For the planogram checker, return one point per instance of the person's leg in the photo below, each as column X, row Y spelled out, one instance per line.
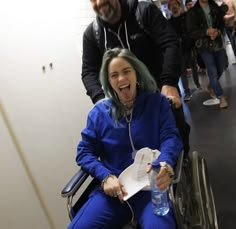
column 193, row 65
column 215, row 64
column 210, row 63
column 233, row 44
column 221, row 61
column 220, row 58
column 229, row 31
column 101, row 211
column 187, row 92
column 200, row 63
column 143, row 211
column 184, row 78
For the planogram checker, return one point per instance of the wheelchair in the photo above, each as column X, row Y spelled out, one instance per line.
column 190, row 193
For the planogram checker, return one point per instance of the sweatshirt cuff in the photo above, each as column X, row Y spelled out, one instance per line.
column 98, row 97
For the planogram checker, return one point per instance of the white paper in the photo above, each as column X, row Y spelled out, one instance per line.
column 134, row 178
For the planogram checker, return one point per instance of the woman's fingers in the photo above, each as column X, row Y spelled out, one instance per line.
column 164, row 178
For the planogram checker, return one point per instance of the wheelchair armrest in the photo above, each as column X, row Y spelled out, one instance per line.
column 74, row 184
column 178, row 169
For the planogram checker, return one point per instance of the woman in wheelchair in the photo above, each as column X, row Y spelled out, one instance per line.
column 133, row 115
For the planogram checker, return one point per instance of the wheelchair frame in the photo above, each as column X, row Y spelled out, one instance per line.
column 190, row 193
column 192, row 196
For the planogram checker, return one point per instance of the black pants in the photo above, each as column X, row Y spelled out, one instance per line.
column 184, row 128
column 229, row 31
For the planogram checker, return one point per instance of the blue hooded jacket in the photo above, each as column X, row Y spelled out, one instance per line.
column 105, row 147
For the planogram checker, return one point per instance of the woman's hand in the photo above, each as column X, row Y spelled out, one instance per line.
column 164, row 176
column 112, row 187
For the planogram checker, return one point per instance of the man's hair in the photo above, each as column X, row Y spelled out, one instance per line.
column 187, row 1
column 170, row 1
column 145, row 81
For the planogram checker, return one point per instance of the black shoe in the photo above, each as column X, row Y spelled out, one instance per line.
column 187, row 97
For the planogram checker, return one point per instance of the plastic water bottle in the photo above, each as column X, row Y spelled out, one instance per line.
column 160, row 200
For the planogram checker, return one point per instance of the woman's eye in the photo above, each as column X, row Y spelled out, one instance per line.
column 113, row 76
column 126, row 71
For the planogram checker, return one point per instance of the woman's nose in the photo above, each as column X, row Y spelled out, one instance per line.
column 120, row 77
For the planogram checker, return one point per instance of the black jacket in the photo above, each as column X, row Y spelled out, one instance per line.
column 155, row 44
column 179, row 25
column 197, row 26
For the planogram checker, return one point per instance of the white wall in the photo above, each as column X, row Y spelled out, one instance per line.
column 42, row 112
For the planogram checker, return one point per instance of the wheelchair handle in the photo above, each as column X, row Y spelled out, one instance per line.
column 74, row 184
column 178, row 169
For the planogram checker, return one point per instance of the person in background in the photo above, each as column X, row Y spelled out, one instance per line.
column 205, row 23
column 234, row 30
column 188, row 4
column 200, row 63
column 234, row 27
column 229, row 23
column 140, row 27
column 134, row 115
column 178, row 22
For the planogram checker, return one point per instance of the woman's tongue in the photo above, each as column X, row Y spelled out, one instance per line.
column 126, row 94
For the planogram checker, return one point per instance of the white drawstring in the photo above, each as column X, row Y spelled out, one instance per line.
column 126, row 35
column 134, row 152
column 132, row 212
column 105, row 36
column 130, row 135
column 118, row 36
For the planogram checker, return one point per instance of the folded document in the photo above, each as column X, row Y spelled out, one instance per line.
column 134, row 178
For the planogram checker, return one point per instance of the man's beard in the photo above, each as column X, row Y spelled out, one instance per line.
column 110, row 14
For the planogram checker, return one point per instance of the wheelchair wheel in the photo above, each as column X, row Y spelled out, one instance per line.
column 181, row 198
column 203, row 195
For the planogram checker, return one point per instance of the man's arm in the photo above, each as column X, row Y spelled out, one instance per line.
column 230, row 13
column 91, row 65
column 166, row 39
column 234, row 7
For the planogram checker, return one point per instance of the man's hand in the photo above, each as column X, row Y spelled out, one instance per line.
column 172, row 93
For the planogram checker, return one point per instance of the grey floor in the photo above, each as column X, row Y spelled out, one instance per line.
column 213, row 133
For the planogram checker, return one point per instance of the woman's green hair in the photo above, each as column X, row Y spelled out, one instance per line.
column 145, row 81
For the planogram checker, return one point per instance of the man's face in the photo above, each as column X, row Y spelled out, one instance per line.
column 189, row 5
column 175, row 8
column 107, row 10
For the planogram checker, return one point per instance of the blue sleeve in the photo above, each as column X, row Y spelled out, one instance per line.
column 90, row 149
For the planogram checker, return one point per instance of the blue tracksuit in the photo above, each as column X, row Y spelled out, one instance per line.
column 153, row 125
